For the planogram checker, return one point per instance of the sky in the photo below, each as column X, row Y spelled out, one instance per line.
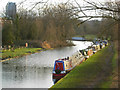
column 28, row 3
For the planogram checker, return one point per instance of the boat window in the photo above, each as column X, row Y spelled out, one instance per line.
column 59, row 65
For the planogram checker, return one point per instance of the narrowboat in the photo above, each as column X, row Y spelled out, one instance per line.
column 65, row 65
column 105, row 42
column 95, row 48
column 84, row 53
column 102, row 45
column 90, row 51
column 87, row 52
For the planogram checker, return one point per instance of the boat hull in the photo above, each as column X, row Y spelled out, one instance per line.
column 58, row 76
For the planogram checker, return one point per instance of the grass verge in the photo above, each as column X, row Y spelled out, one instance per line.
column 112, row 80
column 90, row 73
column 18, row 52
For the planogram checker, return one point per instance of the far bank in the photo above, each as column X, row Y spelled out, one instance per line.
column 10, row 52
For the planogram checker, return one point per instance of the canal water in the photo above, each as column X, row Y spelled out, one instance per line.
column 35, row 70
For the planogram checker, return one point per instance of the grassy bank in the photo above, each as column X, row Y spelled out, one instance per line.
column 112, row 80
column 91, row 73
column 18, row 52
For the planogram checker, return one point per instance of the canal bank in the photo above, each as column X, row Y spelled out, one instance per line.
column 92, row 73
column 8, row 54
column 18, row 52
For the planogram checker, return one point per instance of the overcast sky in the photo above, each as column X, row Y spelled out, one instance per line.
column 28, row 3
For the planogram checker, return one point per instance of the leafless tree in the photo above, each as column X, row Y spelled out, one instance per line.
column 108, row 10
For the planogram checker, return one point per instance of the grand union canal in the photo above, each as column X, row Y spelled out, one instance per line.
column 35, row 70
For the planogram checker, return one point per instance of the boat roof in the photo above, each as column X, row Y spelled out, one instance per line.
column 64, row 59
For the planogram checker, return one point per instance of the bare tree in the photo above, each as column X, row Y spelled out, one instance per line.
column 107, row 10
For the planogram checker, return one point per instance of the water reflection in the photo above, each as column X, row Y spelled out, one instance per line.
column 35, row 70
column 26, row 76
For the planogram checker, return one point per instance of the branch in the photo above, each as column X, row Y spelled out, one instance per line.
column 102, row 8
column 80, row 8
column 83, row 21
column 38, row 3
column 21, row 3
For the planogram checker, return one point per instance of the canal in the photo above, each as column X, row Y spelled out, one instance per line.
column 35, row 70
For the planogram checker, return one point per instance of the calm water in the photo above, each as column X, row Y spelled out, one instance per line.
column 35, row 70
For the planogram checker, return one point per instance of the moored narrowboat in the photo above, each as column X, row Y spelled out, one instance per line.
column 65, row 65
column 95, row 48
column 105, row 42
column 59, row 69
column 88, row 52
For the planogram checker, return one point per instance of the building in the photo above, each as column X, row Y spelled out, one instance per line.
column 11, row 10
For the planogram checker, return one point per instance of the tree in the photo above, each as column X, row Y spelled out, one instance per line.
column 7, row 33
column 108, row 10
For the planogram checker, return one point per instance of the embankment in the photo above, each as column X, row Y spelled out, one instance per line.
column 91, row 73
column 18, row 52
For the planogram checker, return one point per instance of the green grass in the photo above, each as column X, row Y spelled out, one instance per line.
column 108, row 82
column 90, row 37
column 18, row 52
column 114, row 60
column 86, row 73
